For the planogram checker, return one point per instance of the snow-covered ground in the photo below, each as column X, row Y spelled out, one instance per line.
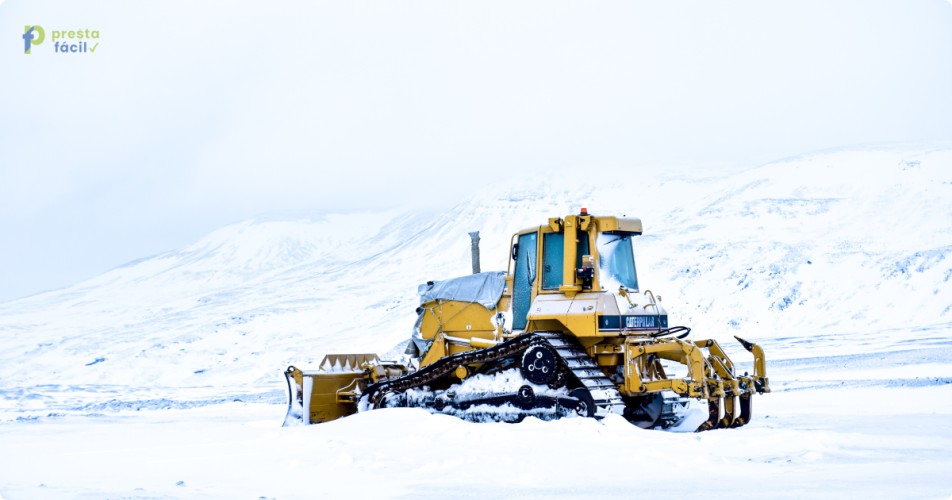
column 168, row 368
column 877, row 441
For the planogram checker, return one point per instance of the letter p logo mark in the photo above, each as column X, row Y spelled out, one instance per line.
column 28, row 38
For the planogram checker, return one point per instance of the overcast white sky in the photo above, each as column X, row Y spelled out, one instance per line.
column 192, row 115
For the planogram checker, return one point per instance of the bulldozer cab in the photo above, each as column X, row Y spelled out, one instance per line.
column 572, row 255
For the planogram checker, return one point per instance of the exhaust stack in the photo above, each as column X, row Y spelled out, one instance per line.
column 475, row 248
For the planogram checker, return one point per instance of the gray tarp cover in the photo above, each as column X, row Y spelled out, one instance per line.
column 483, row 288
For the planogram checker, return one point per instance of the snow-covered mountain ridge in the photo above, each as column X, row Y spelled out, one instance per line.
column 835, row 252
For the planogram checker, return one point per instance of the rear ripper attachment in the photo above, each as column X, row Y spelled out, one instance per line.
column 564, row 332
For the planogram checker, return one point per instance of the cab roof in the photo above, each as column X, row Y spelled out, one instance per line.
column 605, row 224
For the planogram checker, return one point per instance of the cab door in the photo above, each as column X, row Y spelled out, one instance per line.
column 523, row 279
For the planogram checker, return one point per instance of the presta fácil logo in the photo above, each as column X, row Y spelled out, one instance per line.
column 78, row 40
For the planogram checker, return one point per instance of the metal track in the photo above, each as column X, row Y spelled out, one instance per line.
column 586, row 370
column 444, row 366
column 583, row 367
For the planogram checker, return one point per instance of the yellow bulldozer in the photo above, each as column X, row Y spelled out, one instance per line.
column 565, row 331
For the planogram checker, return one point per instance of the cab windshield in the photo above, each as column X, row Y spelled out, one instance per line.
column 617, row 262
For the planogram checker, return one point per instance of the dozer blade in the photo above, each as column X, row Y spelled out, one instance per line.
column 328, row 393
column 295, row 414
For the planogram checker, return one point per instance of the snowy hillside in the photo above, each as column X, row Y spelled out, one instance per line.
column 837, row 252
